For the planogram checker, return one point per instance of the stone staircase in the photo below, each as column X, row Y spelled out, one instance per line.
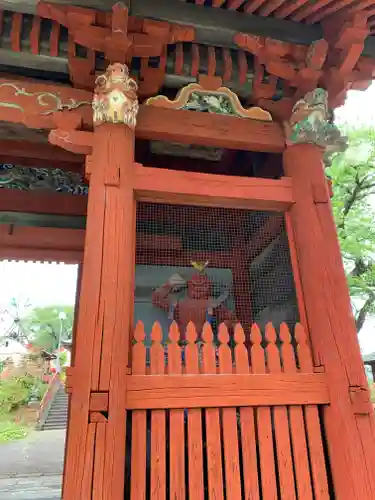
column 57, row 416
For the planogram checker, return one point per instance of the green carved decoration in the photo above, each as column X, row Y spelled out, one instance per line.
column 32, row 179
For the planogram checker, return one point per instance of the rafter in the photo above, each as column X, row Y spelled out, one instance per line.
column 213, row 26
column 331, row 9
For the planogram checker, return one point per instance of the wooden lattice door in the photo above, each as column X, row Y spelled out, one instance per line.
column 218, row 421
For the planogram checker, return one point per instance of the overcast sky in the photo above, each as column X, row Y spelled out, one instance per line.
column 50, row 284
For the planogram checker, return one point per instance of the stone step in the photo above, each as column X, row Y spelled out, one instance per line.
column 55, row 418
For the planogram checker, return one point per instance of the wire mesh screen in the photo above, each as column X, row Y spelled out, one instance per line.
column 212, row 264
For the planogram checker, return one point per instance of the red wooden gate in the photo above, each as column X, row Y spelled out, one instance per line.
column 216, row 420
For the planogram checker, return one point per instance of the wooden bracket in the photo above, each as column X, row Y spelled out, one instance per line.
column 119, row 36
column 72, row 140
column 346, row 37
column 360, row 398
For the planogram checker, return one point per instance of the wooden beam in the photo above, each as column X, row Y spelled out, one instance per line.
column 39, row 202
column 11, row 151
column 41, row 244
column 206, row 129
column 168, row 186
column 57, row 65
column 44, row 220
column 164, row 186
column 197, row 391
column 189, row 127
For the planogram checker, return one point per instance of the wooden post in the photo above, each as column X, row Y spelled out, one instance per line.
column 95, row 462
column 72, row 353
column 332, row 329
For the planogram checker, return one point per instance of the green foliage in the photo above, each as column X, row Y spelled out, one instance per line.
column 353, row 176
column 63, row 357
column 13, row 395
column 44, row 325
column 11, row 431
column 16, row 392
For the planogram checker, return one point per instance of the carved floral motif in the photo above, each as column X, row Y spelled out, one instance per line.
column 33, row 178
column 311, row 122
column 222, row 101
column 51, row 102
column 115, row 97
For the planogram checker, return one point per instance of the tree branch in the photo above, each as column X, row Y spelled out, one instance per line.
column 363, row 312
column 360, row 267
column 350, row 201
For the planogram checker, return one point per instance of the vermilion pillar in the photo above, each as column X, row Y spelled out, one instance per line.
column 348, row 419
column 96, row 446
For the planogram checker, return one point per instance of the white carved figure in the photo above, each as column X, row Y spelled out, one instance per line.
column 115, row 97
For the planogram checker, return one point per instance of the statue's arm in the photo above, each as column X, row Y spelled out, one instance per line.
column 160, row 297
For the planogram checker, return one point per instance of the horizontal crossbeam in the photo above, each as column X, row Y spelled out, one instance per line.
column 190, row 188
column 208, row 391
column 34, row 104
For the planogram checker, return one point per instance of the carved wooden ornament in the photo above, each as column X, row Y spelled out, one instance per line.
column 311, row 123
column 115, row 97
column 222, row 101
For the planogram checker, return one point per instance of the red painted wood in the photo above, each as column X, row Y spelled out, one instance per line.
column 99, row 459
column 87, row 476
column 213, row 436
column 248, row 434
column 158, row 438
column 179, row 63
column 54, row 39
column 195, row 59
column 296, row 275
column 252, row 5
column 190, row 188
column 36, row 202
column 281, row 424
column 138, row 458
column 195, row 440
column 118, row 151
column 312, row 422
column 297, row 425
column 153, row 122
column 106, row 293
column 352, row 479
column 41, row 243
column 229, row 424
column 228, row 65
column 242, row 66
column 264, row 424
column 15, row 34
column 89, row 303
column 176, row 424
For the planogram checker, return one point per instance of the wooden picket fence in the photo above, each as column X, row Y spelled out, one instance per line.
column 224, row 421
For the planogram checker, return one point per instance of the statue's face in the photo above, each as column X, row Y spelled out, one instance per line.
column 319, row 96
column 118, row 71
